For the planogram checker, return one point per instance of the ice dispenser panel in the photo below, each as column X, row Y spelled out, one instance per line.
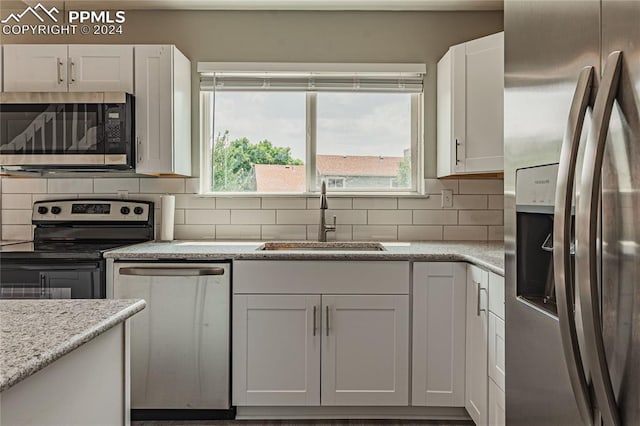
column 535, row 198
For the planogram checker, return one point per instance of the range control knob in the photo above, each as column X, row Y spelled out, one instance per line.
column 55, row 209
column 124, row 210
column 138, row 210
column 43, row 210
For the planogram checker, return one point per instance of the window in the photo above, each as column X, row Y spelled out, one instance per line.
column 286, row 132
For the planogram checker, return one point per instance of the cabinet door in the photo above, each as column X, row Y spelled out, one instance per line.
column 35, row 68
column 476, row 398
column 365, row 350
column 154, row 103
column 276, row 350
column 100, row 68
column 497, row 414
column 478, row 109
column 496, row 350
column 496, row 294
column 439, row 304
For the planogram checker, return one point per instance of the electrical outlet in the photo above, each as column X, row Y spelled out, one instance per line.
column 447, row 198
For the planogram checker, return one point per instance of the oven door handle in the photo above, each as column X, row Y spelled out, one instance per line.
column 171, row 272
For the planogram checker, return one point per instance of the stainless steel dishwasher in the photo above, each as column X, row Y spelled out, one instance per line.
column 180, row 344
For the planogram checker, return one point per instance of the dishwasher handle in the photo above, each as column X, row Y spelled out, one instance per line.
column 170, row 272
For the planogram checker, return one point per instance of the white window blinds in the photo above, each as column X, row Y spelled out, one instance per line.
column 407, row 78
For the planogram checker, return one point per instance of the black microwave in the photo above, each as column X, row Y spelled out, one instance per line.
column 86, row 131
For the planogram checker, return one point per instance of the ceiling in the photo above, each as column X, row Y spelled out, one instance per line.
column 433, row 5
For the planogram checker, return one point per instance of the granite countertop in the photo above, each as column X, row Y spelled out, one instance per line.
column 487, row 255
column 35, row 333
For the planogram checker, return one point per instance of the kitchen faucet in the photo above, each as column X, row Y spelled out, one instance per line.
column 324, row 228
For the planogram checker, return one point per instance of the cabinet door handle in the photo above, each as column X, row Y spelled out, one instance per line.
column 457, row 145
column 327, row 319
column 139, row 149
column 59, row 70
column 478, row 309
column 71, row 72
column 315, row 324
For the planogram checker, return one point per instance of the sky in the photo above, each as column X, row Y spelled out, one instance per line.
column 348, row 123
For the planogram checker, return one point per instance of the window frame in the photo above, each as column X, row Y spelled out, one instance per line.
column 207, row 109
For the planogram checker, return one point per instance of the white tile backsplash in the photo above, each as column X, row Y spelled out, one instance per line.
column 476, row 213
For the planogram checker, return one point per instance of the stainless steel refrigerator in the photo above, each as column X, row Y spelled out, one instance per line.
column 572, row 211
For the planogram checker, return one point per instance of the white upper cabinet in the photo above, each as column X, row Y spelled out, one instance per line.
column 35, row 68
column 100, row 68
column 163, row 110
column 470, row 108
column 439, row 302
column 68, row 68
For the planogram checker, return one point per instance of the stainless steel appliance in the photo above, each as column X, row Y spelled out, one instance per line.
column 572, row 78
column 64, row 260
column 66, row 131
column 180, row 344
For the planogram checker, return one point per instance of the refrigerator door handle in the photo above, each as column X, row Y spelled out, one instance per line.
column 587, row 237
column 562, row 243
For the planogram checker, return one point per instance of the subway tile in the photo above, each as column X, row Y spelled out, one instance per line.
column 193, row 232
column 342, row 203
column 238, row 232
column 192, row 185
column 113, row 185
column 389, row 217
column 375, row 233
column 375, row 203
column 496, row 233
column 190, row 201
column 297, row 217
column 284, row 232
column 419, row 233
column 284, row 203
column 496, row 202
column 480, row 217
column 252, row 217
column 24, row 186
column 481, row 186
column 345, row 217
column 69, row 186
column 162, row 185
column 432, row 202
column 155, row 198
column 435, row 217
column 17, row 232
column 16, row 217
column 178, row 217
column 46, row 197
column 469, row 202
column 207, row 217
column 343, row 233
column 16, row 201
column 237, row 203
column 465, row 233
column 435, row 186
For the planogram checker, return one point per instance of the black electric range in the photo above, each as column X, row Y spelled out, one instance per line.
column 64, row 260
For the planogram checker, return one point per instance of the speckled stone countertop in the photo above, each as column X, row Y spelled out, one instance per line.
column 35, row 333
column 487, row 255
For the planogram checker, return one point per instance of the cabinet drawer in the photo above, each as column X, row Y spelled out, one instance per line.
column 496, row 294
column 314, row 277
column 496, row 350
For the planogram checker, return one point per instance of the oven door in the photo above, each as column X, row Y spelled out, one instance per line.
column 29, row 279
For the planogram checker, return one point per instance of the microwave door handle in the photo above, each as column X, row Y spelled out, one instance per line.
column 562, row 243
column 586, row 240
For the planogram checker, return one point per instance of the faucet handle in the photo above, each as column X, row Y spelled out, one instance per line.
column 334, row 220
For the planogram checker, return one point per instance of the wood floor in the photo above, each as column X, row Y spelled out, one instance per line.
column 304, row 423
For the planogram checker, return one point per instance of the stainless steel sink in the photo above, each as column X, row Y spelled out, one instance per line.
column 322, row 246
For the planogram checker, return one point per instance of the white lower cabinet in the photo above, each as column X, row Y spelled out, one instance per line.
column 276, row 350
column 337, row 347
column 476, row 389
column 438, row 360
column 497, row 416
column 365, row 350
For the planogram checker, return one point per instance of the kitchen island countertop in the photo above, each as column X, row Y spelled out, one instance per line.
column 489, row 255
column 35, row 333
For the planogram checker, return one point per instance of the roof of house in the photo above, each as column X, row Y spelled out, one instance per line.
column 279, row 178
column 357, row 165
